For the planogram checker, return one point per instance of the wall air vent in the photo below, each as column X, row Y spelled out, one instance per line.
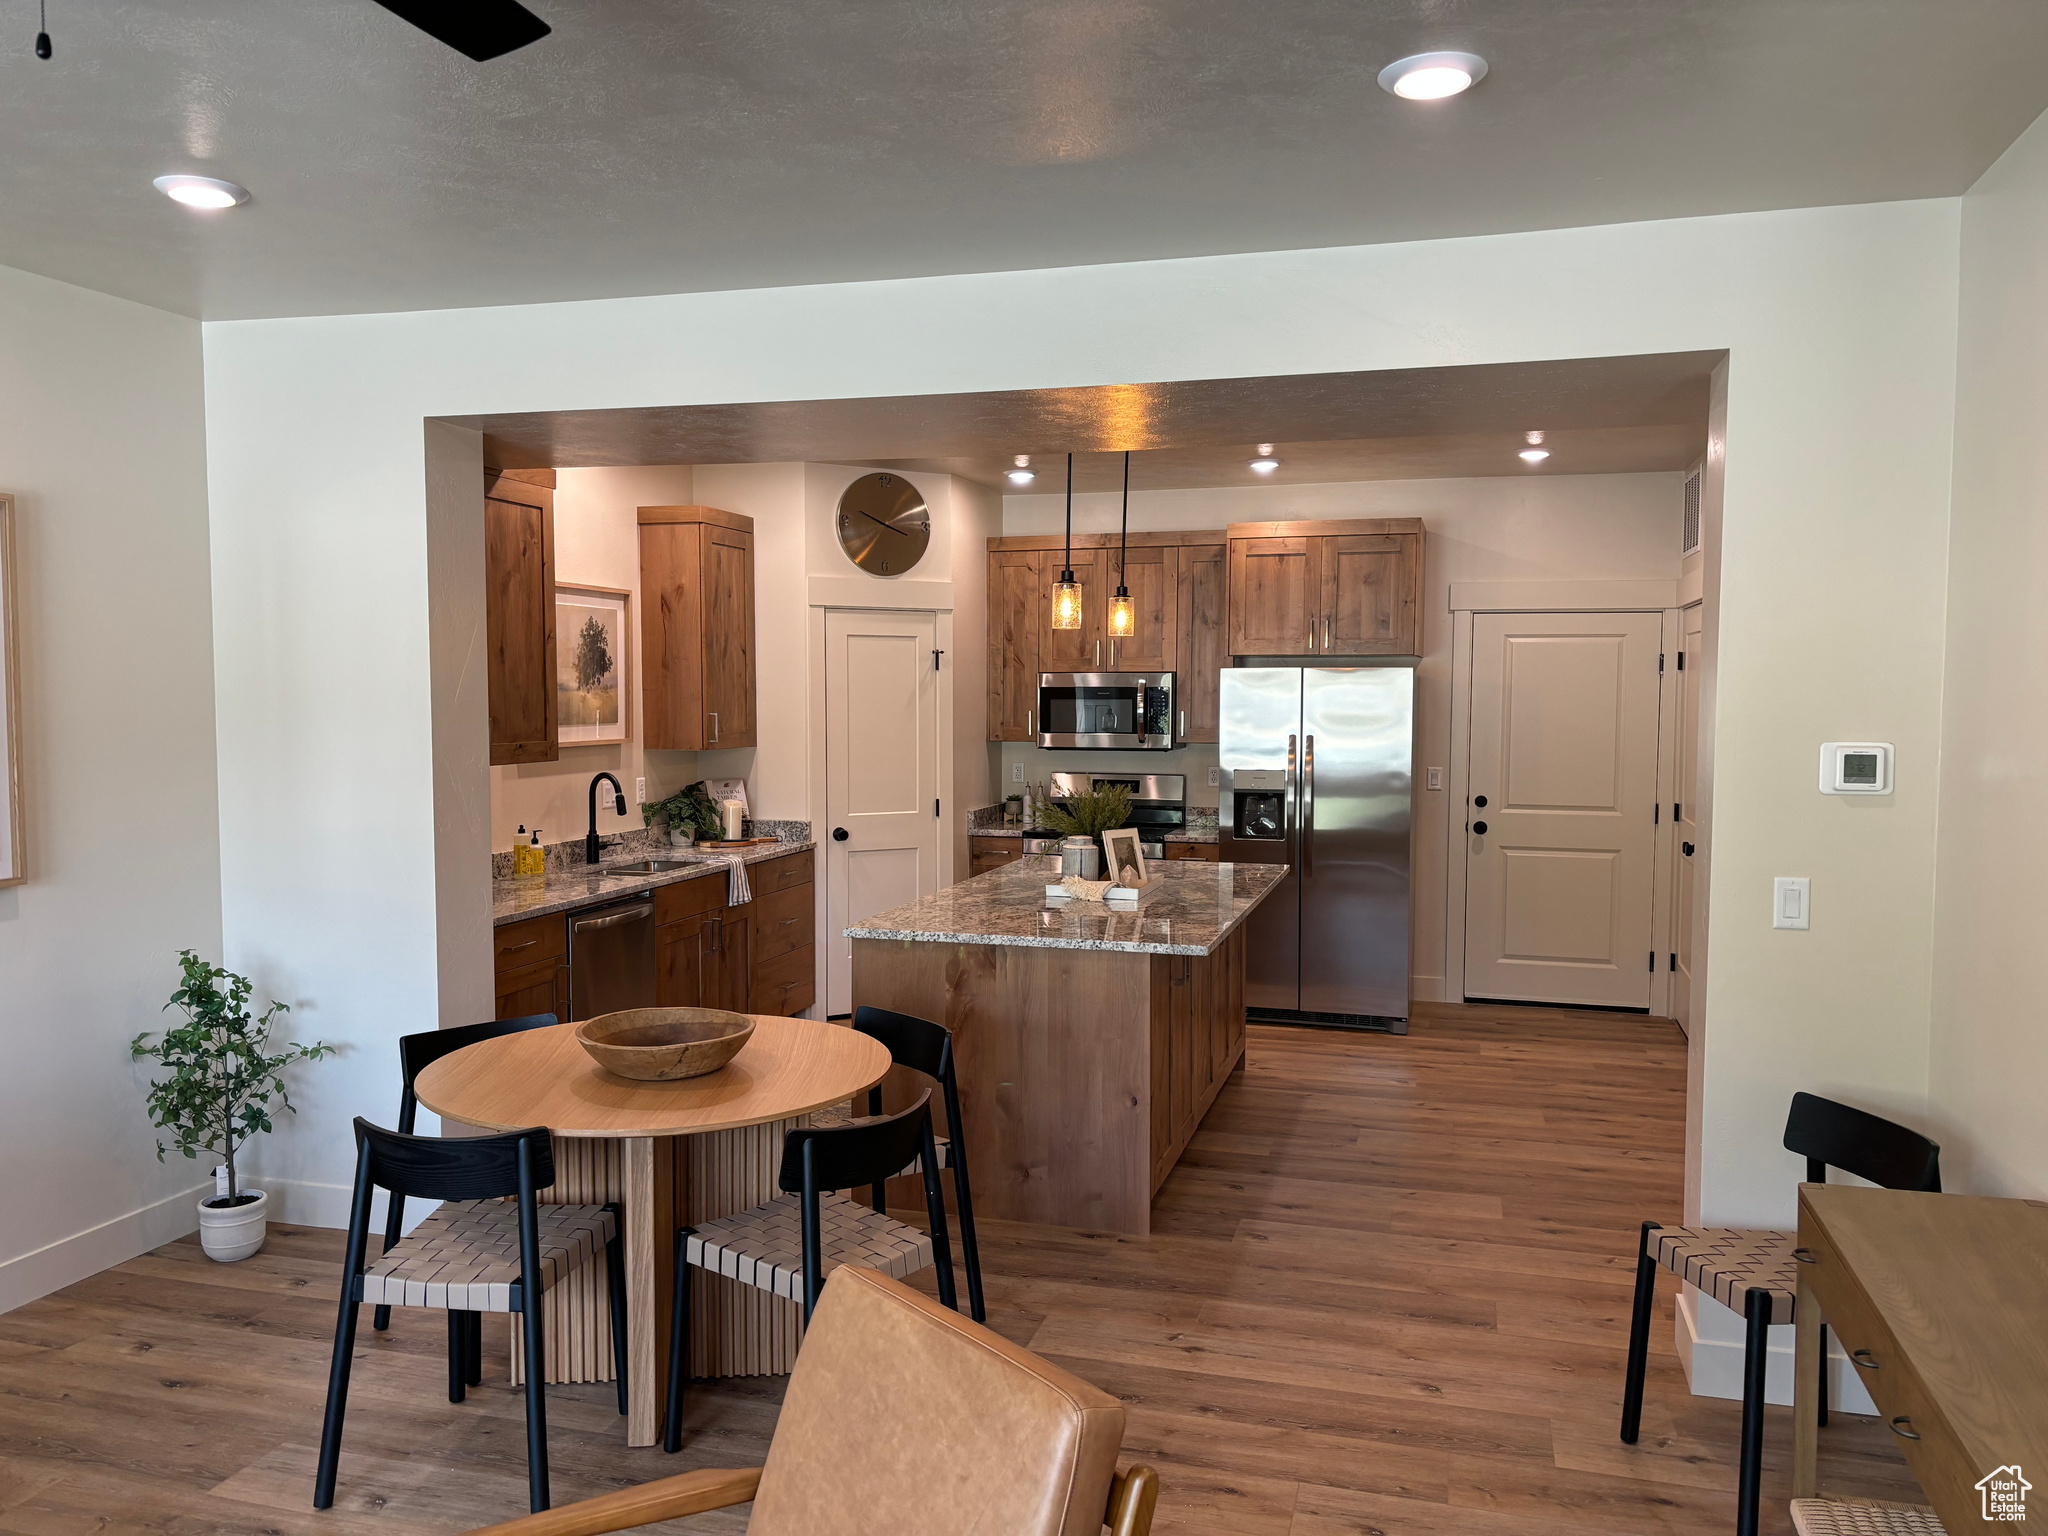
column 1692, row 514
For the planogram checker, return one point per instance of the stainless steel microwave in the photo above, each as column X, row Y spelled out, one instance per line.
column 1124, row 711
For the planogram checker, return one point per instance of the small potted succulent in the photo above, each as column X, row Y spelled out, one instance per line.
column 222, row 1078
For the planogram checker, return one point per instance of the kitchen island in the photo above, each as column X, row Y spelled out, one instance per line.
column 1089, row 1042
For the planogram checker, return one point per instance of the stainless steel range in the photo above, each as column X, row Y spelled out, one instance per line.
column 1159, row 802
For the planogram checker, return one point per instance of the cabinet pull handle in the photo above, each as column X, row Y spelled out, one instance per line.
column 1804, row 1256
column 509, row 948
column 1098, row 655
column 1865, row 1359
column 1030, row 722
column 1903, row 1428
column 1183, row 724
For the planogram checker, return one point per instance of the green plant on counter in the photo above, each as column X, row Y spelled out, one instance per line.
column 687, row 810
column 223, row 1076
column 1090, row 815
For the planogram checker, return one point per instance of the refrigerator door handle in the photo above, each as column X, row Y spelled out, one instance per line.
column 1308, row 806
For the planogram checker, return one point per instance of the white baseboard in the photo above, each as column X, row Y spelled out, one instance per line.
column 71, row 1259
column 1425, row 989
column 304, row 1203
column 1713, row 1365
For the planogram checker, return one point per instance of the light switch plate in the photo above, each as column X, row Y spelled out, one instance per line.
column 1436, row 778
column 1016, row 773
column 639, row 791
column 1215, row 777
column 1791, row 902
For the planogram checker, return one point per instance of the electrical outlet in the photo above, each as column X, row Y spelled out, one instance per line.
column 639, row 791
column 1436, row 778
column 1215, row 777
column 1016, row 773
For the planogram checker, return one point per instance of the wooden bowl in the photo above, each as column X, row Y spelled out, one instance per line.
column 664, row 1045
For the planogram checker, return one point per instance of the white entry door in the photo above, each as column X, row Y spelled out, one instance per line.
column 1685, row 817
column 881, row 774
column 1564, row 781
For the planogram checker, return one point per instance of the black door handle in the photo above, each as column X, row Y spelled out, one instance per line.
column 1480, row 801
column 1479, row 829
column 1687, row 848
column 839, row 834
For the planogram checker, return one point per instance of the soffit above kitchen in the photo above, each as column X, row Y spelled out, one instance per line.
column 1600, row 415
column 667, row 146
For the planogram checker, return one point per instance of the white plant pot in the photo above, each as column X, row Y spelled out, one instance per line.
column 236, row 1231
column 682, row 839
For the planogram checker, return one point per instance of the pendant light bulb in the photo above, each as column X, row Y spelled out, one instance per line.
column 1066, row 592
column 1123, row 615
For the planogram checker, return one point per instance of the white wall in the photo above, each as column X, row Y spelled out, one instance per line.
column 1531, row 527
column 102, row 441
column 597, row 543
column 1840, row 326
column 1989, row 1059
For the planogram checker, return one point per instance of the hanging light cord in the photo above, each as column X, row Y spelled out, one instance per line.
column 1067, row 571
column 43, row 34
column 1123, row 554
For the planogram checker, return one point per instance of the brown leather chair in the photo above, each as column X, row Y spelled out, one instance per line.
column 905, row 1419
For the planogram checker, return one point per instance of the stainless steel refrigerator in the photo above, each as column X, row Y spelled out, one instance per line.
column 1317, row 772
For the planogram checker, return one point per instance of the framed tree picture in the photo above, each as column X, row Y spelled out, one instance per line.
column 13, row 866
column 590, row 664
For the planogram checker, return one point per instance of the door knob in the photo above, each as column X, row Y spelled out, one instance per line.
column 1479, row 829
column 1686, row 848
column 839, row 834
column 1480, row 801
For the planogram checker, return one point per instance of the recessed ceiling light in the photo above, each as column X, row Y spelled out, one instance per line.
column 1022, row 475
column 1433, row 76
column 201, row 191
column 1265, row 463
column 1535, row 455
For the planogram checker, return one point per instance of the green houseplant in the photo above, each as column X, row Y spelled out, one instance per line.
column 1090, row 815
column 222, row 1077
column 688, row 810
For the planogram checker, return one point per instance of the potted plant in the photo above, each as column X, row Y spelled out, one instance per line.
column 223, row 1077
column 1082, row 819
column 688, row 813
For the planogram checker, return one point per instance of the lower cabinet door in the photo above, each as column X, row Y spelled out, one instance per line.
column 531, row 989
column 1183, row 1049
column 727, row 976
column 785, row 984
column 680, row 952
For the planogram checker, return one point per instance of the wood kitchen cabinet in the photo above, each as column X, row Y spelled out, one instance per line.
column 1073, row 650
column 519, row 614
column 1197, row 1041
column 1201, row 580
column 1204, row 851
column 758, row 957
column 1351, row 588
column 1015, row 615
column 1154, row 642
column 987, row 853
column 530, row 962
column 696, row 628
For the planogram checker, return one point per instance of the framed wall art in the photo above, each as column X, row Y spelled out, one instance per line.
column 591, row 686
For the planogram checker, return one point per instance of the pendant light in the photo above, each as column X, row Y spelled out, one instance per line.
column 1066, row 592
column 1123, row 617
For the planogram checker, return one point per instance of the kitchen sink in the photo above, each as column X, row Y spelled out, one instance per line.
column 650, row 867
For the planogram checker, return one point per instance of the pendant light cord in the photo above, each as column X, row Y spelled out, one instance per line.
column 1123, row 554
column 43, row 32
column 1067, row 570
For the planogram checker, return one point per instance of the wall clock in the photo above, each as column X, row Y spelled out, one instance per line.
column 883, row 524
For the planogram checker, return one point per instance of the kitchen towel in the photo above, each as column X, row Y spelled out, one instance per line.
column 736, row 888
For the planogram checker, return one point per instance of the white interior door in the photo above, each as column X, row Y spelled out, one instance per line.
column 881, row 774
column 1564, row 780
column 1685, row 812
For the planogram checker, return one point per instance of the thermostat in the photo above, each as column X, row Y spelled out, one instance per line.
column 1856, row 768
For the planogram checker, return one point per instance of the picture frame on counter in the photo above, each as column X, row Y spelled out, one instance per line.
column 593, row 692
column 13, row 859
column 1125, row 855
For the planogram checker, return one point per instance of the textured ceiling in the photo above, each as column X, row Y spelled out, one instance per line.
column 658, row 146
column 1600, row 415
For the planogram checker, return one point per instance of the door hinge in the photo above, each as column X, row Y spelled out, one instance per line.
column 935, row 807
column 1681, row 661
column 1674, row 812
column 935, row 659
column 1653, row 962
column 1655, row 812
column 1674, row 960
column 1660, row 662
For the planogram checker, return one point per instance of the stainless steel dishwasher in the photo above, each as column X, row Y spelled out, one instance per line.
column 611, row 958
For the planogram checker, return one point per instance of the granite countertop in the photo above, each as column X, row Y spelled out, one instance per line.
column 1200, row 906
column 580, row 885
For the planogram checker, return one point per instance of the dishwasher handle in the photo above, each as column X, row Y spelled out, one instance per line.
column 614, row 918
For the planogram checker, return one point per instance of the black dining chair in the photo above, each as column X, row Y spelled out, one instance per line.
column 415, row 1054
column 477, row 1253
column 791, row 1242
column 925, row 1047
column 1756, row 1272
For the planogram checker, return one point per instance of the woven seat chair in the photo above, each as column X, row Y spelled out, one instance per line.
column 1755, row 1273
column 480, row 1252
column 415, row 1054
column 1825, row 1517
column 789, row 1244
column 905, row 1419
column 926, row 1048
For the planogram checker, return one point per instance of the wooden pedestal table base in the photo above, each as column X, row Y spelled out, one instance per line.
column 668, row 1152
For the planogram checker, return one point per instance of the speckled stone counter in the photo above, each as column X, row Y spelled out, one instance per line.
column 569, row 886
column 1200, row 906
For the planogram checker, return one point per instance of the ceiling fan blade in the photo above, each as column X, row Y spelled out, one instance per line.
column 483, row 29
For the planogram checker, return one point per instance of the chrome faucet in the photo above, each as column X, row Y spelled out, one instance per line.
column 591, row 851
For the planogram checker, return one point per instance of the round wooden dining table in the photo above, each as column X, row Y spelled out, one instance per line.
column 669, row 1154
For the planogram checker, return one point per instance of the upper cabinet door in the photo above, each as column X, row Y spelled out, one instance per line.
column 1073, row 650
column 728, row 637
column 1371, row 595
column 1274, row 593
column 1154, row 640
column 1198, row 669
column 1015, row 615
column 519, row 619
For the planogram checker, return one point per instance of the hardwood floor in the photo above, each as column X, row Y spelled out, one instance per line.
column 1387, row 1295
